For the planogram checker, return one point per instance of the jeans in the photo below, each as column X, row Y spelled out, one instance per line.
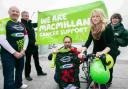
column 56, row 77
column 10, row 63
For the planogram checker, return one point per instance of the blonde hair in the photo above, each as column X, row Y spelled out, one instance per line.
column 100, row 27
column 102, row 17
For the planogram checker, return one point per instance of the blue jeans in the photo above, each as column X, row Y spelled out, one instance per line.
column 56, row 77
column 9, row 63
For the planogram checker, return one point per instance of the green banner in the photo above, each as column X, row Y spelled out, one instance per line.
column 74, row 21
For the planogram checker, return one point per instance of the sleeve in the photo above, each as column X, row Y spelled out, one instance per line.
column 4, row 43
column 88, row 42
column 52, row 63
column 109, row 37
column 34, row 25
column 25, row 40
column 121, row 29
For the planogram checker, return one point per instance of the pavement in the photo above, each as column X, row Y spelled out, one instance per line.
column 120, row 80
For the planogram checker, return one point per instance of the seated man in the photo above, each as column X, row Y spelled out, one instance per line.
column 67, row 65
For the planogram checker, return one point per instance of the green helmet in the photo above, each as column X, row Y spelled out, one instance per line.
column 99, row 73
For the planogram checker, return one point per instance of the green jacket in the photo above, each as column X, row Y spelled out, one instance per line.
column 120, row 34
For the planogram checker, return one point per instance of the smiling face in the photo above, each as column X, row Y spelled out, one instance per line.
column 95, row 18
column 116, row 18
column 25, row 15
column 115, row 21
column 14, row 13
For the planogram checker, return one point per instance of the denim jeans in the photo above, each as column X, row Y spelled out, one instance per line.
column 10, row 63
column 56, row 76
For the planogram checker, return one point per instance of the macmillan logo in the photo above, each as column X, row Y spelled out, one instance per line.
column 66, row 59
column 18, row 27
column 66, row 66
column 17, row 35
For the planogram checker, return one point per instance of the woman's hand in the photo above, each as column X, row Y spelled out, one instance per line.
column 81, row 49
column 105, row 51
column 99, row 54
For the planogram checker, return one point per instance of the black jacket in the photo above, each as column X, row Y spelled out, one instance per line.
column 119, row 34
column 30, row 29
column 106, row 40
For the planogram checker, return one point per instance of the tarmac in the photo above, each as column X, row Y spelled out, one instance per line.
column 120, row 80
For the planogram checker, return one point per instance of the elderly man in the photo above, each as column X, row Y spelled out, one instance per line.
column 15, row 37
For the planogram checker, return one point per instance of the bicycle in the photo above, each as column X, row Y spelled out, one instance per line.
column 89, row 58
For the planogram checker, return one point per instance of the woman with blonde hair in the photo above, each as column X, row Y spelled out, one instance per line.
column 102, row 37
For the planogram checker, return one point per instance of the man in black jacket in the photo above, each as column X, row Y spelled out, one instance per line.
column 32, row 48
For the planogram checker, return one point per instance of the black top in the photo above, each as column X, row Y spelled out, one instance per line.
column 106, row 40
column 15, row 32
column 30, row 29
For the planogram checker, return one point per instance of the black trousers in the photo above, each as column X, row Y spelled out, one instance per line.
column 111, row 70
column 32, row 50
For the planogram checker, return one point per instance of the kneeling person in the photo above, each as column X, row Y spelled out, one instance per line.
column 67, row 65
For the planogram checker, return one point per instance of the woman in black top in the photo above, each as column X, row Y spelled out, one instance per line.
column 102, row 37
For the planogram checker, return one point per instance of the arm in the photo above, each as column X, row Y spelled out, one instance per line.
column 52, row 63
column 105, row 51
column 4, row 43
column 34, row 25
column 25, row 43
column 119, row 30
column 88, row 42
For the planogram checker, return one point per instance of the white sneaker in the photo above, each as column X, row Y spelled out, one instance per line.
column 24, row 86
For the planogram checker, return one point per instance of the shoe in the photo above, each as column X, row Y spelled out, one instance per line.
column 42, row 74
column 24, row 86
column 29, row 78
column 70, row 86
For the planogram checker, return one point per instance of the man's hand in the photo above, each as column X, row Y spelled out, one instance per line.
column 23, row 52
column 80, row 56
column 55, row 50
column 17, row 55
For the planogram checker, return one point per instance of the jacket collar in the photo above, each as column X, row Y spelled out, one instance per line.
column 25, row 21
